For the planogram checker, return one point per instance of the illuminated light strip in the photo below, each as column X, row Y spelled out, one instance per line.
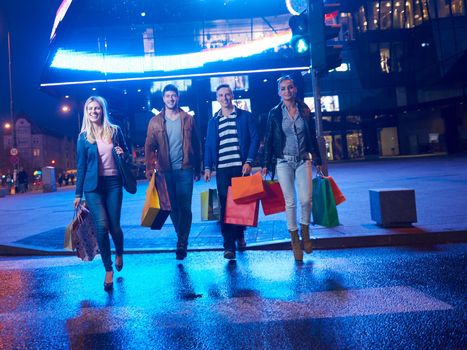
column 61, row 12
column 85, row 61
column 290, row 8
column 179, row 76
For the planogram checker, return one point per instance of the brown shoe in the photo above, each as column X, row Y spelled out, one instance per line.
column 296, row 248
column 305, row 232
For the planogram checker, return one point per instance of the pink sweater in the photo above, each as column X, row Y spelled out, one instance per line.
column 107, row 166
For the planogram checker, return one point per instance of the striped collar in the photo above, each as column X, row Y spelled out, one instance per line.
column 233, row 114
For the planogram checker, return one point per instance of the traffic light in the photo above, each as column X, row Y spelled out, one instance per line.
column 324, row 56
column 300, row 41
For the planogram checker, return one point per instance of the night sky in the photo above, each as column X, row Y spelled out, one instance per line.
column 30, row 23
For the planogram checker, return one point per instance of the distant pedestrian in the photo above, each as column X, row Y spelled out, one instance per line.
column 72, row 178
column 99, row 178
column 23, row 180
column 60, row 180
column 231, row 146
column 290, row 146
column 173, row 148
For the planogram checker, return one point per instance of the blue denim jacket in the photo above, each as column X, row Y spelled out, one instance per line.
column 87, row 168
column 247, row 135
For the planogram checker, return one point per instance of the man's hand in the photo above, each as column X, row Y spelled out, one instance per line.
column 264, row 171
column 246, row 169
column 207, row 175
column 196, row 177
column 149, row 174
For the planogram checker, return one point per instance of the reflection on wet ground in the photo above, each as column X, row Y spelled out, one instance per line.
column 388, row 297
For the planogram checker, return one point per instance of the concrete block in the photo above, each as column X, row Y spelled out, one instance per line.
column 48, row 179
column 393, row 207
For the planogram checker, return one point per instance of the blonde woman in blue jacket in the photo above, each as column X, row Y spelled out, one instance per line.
column 98, row 177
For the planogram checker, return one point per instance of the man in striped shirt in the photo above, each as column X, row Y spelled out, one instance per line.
column 231, row 146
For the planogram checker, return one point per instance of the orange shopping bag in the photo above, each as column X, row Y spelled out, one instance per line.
column 241, row 214
column 246, row 189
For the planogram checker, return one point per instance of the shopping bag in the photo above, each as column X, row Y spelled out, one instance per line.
column 323, row 205
column 157, row 206
column 245, row 214
column 338, row 195
column 72, row 226
column 84, row 238
column 273, row 201
column 125, row 170
column 68, row 243
column 246, row 189
column 210, row 209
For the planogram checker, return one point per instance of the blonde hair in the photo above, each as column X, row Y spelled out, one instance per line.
column 108, row 128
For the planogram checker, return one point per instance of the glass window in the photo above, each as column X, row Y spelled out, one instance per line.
column 355, row 145
column 399, row 16
column 354, row 119
column 373, row 17
column 385, row 15
column 458, row 7
column 385, row 59
column 408, row 14
column 418, row 12
column 362, row 21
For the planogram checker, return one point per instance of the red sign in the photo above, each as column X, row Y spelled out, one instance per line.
column 14, row 160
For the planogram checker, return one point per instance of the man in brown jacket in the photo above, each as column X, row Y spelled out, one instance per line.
column 173, row 148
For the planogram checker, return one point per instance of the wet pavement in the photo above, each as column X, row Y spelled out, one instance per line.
column 34, row 223
column 366, row 298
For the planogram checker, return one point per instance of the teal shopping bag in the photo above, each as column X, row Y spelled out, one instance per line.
column 323, row 203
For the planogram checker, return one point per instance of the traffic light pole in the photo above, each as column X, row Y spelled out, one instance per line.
column 312, row 8
column 319, row 120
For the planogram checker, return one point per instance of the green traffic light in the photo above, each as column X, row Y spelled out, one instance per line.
column 301, row 46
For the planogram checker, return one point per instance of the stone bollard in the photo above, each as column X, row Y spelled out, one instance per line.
column 393, row 207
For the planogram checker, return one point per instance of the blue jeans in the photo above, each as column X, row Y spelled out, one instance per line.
column 289, row 172
column 180, row 188
column 105, row 205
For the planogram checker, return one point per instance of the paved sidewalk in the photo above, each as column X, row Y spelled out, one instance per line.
column 34, row 223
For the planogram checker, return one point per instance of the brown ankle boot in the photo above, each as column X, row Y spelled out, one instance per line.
column 297, row 249
column 305, row 232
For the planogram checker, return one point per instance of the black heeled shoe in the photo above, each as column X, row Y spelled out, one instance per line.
column 119, row 267
column 108, row 286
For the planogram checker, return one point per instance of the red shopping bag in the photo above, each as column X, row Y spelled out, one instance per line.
column 338, row 195
column 245, row 214
column 273, row 201
column 246, row 189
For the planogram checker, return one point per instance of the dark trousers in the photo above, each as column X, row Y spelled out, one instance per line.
column 230, row 232
column 180, row 188
column 105, row 205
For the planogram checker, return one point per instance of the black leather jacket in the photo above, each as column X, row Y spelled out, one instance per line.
column 275, row 138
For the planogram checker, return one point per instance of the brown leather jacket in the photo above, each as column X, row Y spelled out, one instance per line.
column 156, row 147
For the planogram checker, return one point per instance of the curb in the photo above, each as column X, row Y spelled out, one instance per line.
column 396, row 239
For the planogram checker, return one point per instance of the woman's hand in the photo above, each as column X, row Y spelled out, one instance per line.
column 119, row 150
column 76, row 202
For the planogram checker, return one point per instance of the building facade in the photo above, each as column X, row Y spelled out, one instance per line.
column 38, row 148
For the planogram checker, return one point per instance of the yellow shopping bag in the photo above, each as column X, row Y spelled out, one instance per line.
column 157, row 204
